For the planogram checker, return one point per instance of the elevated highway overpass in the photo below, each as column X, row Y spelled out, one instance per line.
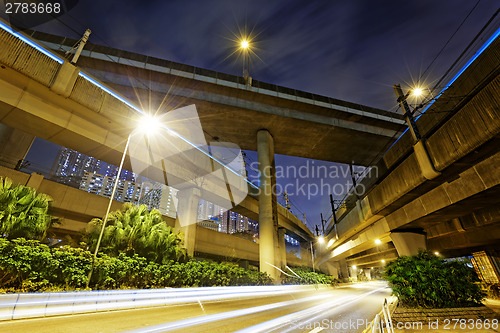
column 46, row 96
column 446, row 197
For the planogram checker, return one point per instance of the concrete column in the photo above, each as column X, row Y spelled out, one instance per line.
column 330, row 268
column 408, row 243
column 267, row 216
column 344, row 272
column 368, row 273
column 187, row 216
column 305, row 253
column 14, row 145
column 282, row 247
column 353, row 273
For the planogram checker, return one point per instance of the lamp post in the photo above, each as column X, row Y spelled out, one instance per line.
column 245, row 46
column 146, row 123
column 406, row 109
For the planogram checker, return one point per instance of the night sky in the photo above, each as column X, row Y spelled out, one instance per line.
column 353, row 50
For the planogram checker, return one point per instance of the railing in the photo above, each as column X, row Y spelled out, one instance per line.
column 382, row 323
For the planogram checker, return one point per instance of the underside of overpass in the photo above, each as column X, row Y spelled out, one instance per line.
column 455, row 210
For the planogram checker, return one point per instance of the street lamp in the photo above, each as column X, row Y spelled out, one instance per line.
column 378, row 241
column 245, row 46
column 406, row 109
column 321, row 240
column 147, row 124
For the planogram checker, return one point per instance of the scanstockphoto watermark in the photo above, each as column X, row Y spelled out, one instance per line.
column 328, row 324
column 311, row 179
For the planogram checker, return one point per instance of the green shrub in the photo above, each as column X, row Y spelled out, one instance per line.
column 307, row 276
column 23, row 212
column 136, row 230
column 28, row 265
column 426, row 280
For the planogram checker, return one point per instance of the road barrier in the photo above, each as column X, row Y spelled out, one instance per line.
column 382, row 323
column 39, row 305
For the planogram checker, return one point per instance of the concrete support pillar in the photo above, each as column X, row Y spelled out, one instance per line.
column 14, row 145
column 368, row 273
column 267, row 205
column 187, row 215
column 305, row 253
column 330, row 268
column 408, row 243
column 282, row 247
column 344, row 272
column 353, row 273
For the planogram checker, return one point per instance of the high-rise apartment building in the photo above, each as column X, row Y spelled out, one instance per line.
column 70, row 166
column 126, row 191
column 159, row 196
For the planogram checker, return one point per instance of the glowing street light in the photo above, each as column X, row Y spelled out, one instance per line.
column 245, row 47
column 147, row 124
column 436, row 253
column 378, row 241
column 417, row 92
column 353, row 266
column 383, row 261
column 321, row 240
column 244, row 44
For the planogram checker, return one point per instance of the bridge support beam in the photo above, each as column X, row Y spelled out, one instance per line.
column 65, row 79
column 187, row 216
column 267, row 205
column 408, row 243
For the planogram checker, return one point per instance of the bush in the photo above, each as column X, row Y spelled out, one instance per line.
column 28, row 265
column 23, row 212
column 426, row 280
column 136, row 230
column 307, row 276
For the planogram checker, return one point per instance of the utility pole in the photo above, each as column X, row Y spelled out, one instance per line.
column 287, row 202
column 317, row 230
column 412, row 126
column 312, row 255
column 332, row 203
column 351, row 169
column 81, row 44
column 322, row 223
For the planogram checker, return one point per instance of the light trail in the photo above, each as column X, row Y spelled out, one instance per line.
column 52, row 304
column 181, row 324
column 301, row 315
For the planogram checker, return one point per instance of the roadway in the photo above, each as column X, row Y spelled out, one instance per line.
column 346, row 308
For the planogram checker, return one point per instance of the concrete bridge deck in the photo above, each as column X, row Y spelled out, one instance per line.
column 456, row 212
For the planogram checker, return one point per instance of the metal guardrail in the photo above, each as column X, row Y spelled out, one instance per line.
column 382, row 323
column 49, row 304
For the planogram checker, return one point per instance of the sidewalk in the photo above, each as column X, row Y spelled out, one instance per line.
column 463, row 320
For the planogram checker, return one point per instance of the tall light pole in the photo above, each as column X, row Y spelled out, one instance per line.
column 406, row 109
column 245, row 46
column 149, row 124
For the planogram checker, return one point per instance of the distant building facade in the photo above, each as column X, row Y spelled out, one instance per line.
column 159, row 196
column 70, row 167
column 229, row 222
column 126, row 191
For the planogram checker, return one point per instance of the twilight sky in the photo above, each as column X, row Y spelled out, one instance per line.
column 353, row 50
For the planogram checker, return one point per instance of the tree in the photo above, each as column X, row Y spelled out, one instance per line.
column 426, row 280
column 23, row 212
column 135, row 230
